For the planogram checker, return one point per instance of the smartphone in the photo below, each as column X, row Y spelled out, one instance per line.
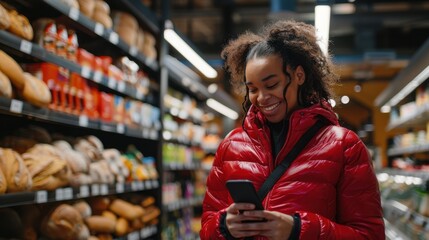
column 243, row 191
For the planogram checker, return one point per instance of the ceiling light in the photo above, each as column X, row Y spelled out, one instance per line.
column 220, row 108
column 345, row 99
column 181, row 46
column 322, row 21
column 212, row 88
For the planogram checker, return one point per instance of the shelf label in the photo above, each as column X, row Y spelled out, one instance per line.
column 133, row 236
column 95, row 189
column 104, row 189
column 85, row 72
column 84, row 191
column 148, row 184
column 99, row 29
column 83, row 121
column 121, row 86
column 134, row 186
column 16, row 106
column 154, row 134
column 120, row 128
column 114, row 38
column 41, row 196
column 74, row 13
column 68, row 193
column 120, row 188
column 155, row 183
column 98, row 76
column 133, row 51
column 59, row 194
column 139, row 95
column 25, row 46
column 145, row 133
column 112, row 83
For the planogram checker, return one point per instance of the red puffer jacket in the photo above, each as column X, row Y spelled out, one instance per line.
column 331, row 184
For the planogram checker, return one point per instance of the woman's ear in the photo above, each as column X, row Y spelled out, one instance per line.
column 300, row 75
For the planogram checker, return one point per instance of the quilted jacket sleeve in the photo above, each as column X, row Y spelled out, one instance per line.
column 359, row 213
column 214, row 206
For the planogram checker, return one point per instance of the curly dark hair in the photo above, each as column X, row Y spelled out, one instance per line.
column 296, row 43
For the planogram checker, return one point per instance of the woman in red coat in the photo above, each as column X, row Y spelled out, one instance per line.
column 330, row 190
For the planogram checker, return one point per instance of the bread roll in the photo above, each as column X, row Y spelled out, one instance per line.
column 100, row 224
column 4, row 18
column 12, row 70
column 99, row 204
column 3, row 182
column 101, row 7
column 102, row 18
column 36, row 91
column 83, row 208
column 126, row 210
column 17, row 176
column 64, row 222
column 122, row 227
column 20, row 26
column 87, row 7
column 109, row 214
column 5, row 86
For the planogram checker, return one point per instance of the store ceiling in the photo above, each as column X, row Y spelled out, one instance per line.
column 373, row 43
column 380, row 34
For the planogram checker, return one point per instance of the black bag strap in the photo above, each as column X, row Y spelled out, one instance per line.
column 284, row 165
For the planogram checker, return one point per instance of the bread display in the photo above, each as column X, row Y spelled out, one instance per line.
column 126, row 210
column 100, row 224
column 3, row 182
column 12, row 70
column 17, row 176
column 101, row 13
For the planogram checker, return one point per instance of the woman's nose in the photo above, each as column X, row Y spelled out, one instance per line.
column 263, row 95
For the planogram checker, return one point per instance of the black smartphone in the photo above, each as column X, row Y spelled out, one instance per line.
column 243, row 191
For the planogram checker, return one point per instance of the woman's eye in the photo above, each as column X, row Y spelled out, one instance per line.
column 252, row 90
column 272, row 86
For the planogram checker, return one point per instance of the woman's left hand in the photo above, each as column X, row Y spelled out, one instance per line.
column 277, row 226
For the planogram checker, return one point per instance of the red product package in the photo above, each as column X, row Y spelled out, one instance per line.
column 106, row 107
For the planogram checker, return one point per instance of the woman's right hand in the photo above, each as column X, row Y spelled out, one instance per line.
column 235, row 218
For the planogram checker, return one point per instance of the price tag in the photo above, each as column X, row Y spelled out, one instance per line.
column 134, row 186
column 25, row 46
column 144, row 233
column 145, row 133
column 83, row 121
column 133, row 51
column 95, row 189
column 68, row 193
column 59, row 194
column 139, row 95
column 41, row 196
column 99, row 29
column 85, row 72
column 154, row 183
column 154, row 134
column 98, row 76
column 112, row 83
column 104, row 189
column 16, row 106
column 149, row 61
column 119, row 187
column 141, row 185
column 121, row 86
column 114, row 38
column 133, row 236
column 74, row 13
column 148, row 184
column 120, row 128
column 84, row 191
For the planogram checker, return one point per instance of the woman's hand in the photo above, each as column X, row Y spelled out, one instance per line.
column 273, row 225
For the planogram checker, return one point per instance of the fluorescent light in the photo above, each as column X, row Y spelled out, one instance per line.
column 219, row 107
column 181, row 46
column 419, row 79
column 322, row 21
column 345, row 99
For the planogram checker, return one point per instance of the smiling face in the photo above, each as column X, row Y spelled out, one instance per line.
column 266, row 81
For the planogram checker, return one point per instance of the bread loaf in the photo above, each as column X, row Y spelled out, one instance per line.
column 100, row 224
column 20, row 26
column 12, row 70
column 5, row 86
column 36, row 91
column 4, row 18
column 87, row 7
column 17, row 176
column 122, row 227
column 3, row 182
column 125, row 209
column 102, row 18
column 83, row 208
column 64, row 222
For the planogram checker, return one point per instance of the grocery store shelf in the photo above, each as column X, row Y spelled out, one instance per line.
column 392, row 233
column 417, row 119
column 183, row 203
column 109, row 35
column 141, row 234
column 72, row 193
column 18, row 107
column 424, row 175
column 408, row 150
column 40, row 53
